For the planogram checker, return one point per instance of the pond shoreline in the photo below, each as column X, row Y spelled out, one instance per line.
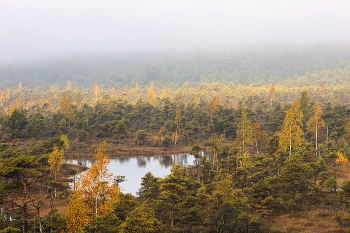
column 137, row 152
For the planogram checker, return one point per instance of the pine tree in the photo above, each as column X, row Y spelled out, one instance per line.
column 142, row 219
column 22, row 174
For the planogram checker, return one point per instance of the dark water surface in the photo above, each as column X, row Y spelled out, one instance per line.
column 134, row 168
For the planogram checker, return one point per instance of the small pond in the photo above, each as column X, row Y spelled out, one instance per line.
column 134, row 168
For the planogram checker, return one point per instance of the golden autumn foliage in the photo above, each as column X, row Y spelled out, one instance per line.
column 259, row 136
column 152, row 96
column 52, row 89
column 20, row 86
column 272, row 93
column 214, row 106
column 315, row 122
column 244, row 132
column 76, row 213
column 65, row 140
column 1, row 97
column 69, row 85
column 163, row 94
column 196, row 99
column 179, row 98
column 78, row 99
column 56, row 159
column 341, row 160
column 95, row 195
column 66, row 104
column 96, row 90
column 8, row 91
column 99, row 192
column 222, row 87
column 291, row 134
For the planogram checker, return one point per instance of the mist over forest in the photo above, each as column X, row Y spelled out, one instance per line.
column 256, row 91
column 257, row 65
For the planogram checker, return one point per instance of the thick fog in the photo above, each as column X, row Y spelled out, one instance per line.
column 42, row 28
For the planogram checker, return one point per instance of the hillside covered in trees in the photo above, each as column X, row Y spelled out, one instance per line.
column 274, row 120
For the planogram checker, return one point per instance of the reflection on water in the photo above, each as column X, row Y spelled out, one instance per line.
column 134, row 168
column 141, row 162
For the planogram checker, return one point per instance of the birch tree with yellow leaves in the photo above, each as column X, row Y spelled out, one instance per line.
column 315, row 123
column 69, row 85
column 2, row 98
column 94, row 196
column 20, row 86
column 56, row 159
column 96, row 90
column 8, row 92
column 76, row 213
column 177, row 121
column 291, row 134
column 272, row 93
column 341, row 161
column 244, row 132
column 214, row 106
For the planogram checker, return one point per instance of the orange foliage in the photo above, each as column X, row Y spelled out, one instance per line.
column 20, row 86
column 96, row 91
column 76, row 214
column 69, row 85
column 95, row 195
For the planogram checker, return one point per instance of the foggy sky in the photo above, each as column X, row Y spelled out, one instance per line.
column 37, row 28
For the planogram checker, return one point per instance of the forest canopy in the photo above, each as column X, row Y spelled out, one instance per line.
column 279, row 63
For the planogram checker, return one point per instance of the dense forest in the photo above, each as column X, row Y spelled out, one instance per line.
column 256, row 65
column 273, row 119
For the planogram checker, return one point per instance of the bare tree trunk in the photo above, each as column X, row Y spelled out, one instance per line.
column 25, row 227
column 55, row 185
column 316, row 137
column 290, row 140
column 175, row 135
